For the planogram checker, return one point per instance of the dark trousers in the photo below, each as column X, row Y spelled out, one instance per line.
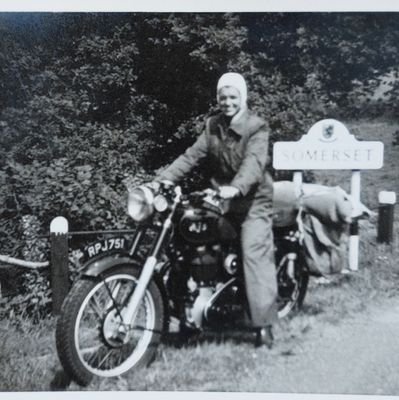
column 258, row 256
column 259, row 267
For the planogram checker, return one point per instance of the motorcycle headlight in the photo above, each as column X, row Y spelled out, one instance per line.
column 140, row 203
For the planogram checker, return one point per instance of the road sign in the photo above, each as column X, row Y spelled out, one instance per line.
column 328, row 145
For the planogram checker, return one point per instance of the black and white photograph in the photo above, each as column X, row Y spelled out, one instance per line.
column 199, row 201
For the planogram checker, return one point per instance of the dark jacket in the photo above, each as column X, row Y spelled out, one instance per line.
column 237, row 154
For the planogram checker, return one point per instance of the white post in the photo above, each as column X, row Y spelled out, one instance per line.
column 297, row 179
column 354, row 228
column 386, row 210
column 59, row 261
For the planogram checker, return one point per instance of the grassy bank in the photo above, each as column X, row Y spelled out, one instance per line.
column 28, row 358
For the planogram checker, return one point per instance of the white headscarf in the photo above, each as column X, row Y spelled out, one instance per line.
column 237, row 81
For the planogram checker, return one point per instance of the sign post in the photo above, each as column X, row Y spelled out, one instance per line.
column 59, row 261
column 354, row 227
column 387, row 201
column 328, row 145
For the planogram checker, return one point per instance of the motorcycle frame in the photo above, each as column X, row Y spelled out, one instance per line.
column 95, row 268
column 98, row 267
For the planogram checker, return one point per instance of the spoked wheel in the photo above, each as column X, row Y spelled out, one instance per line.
column 292, row 279
column 92, row 336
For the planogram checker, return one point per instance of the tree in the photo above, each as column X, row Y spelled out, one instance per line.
column 88, row 99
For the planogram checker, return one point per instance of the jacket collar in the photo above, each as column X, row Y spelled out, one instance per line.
column 238, row 124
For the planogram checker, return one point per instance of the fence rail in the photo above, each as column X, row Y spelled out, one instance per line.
column 23, row 263
column 59, row 258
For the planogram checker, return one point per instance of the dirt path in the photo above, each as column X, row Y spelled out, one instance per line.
column 360, row 355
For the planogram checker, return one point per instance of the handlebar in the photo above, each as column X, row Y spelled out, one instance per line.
column 204, row 193
column 208, row 198
column 207, row 195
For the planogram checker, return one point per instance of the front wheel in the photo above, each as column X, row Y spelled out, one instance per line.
column 92, row 337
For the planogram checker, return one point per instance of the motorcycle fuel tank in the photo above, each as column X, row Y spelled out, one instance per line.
column 199, row 226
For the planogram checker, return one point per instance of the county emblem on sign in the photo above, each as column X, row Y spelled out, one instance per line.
column 328, row 131
column 328, row 145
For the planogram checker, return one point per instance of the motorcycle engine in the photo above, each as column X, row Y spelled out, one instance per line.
column 204, row 264
column 209, row 270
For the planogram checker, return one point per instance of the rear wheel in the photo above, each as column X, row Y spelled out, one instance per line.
column 92, row 337
column 292, row 279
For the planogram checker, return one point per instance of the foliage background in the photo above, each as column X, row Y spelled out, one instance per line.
column 89, row 100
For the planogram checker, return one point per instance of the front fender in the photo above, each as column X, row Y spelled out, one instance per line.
column 96, row 267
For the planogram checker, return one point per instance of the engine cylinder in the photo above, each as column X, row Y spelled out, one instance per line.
column 204, row 265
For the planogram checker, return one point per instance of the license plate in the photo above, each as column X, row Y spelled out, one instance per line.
column 105, row 246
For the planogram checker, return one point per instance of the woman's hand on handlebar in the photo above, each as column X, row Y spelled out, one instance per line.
column 228, row 192
column 156, row 185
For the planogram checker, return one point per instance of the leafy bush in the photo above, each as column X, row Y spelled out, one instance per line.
column 88, row 101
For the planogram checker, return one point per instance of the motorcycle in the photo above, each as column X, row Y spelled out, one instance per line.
column 183, row 266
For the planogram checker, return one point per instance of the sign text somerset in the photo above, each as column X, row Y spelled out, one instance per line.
column 328, row 145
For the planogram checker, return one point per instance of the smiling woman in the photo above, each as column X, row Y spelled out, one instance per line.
column 229, row 101
column 235, row 144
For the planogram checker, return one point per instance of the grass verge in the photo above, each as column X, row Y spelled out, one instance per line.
column 29, row 362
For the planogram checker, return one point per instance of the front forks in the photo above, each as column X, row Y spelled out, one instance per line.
column 130, row 312
column 147, row 272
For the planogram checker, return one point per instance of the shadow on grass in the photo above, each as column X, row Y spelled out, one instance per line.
column 194, row 338
column 312, row 309
column 61, row 381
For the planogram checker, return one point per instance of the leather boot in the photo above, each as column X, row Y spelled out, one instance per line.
column 264, row 337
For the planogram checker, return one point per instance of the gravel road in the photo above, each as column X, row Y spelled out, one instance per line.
column 358, row 355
